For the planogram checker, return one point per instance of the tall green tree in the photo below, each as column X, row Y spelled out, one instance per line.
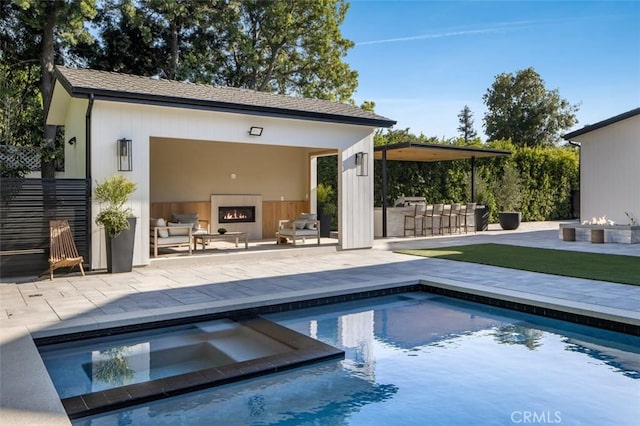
column 127, row 41
column 37, row 32
column 292, row 47
column 149, row 38
column 520, row 108
column 287, row 47
column 465, row 127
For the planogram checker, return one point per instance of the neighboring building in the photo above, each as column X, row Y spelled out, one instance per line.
column 610, row 168
column 190, row 141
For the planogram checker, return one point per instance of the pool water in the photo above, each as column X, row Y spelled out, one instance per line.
column 418, row 358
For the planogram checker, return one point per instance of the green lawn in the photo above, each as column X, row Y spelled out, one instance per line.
column 593, row 266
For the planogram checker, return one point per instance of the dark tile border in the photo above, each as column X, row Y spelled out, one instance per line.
column 232, row 314
column 305, row 351
column 528, row 308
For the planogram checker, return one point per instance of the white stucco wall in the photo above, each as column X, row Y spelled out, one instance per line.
column 610, row 171
column 144, row 123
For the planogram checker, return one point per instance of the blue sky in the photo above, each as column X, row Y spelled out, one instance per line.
column 422, row 61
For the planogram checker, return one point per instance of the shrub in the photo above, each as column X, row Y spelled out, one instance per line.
column 113, row 192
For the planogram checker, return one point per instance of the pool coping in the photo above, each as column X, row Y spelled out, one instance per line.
column 565, row 309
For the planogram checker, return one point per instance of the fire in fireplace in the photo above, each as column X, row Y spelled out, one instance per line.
column 237, row 214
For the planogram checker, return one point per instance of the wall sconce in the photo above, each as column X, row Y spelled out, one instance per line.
column 125, row 160
column 362, row 164
column 255, row 131
column 72, row 141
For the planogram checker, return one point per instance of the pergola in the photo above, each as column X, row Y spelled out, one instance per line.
column 422, row 152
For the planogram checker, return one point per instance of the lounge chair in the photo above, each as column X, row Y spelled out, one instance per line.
column 307, row 225
column 62, row 248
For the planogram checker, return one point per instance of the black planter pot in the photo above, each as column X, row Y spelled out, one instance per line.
column 509, row 220
column 120, row 249
column 325, row 222
column 482, row 218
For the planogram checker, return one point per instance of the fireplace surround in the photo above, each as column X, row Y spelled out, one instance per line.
column 237, row 213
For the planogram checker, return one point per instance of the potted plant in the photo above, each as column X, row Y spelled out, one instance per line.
column 119, row 225
column 222, row 231
column 508, row 195
column 326, row 209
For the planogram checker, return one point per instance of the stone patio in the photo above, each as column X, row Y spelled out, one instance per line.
column 183, row 286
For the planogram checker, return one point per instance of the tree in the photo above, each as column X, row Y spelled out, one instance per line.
column 127, row 42
column 153, row 37
column 520, row 108
column 286, row 47
column 291, row 47
column 37, row 32
column 465, row 118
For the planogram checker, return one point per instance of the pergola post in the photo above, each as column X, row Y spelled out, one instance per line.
column 473, row 179
column 384, row 192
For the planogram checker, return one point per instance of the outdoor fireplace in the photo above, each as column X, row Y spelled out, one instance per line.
column 236, row 214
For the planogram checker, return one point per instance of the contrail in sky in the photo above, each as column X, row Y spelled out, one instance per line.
column 455, row 33
column 494, row 29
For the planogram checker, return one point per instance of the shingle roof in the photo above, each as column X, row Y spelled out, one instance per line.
column 601, row 124
column 133, row 88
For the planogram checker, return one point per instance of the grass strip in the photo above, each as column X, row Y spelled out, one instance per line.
column 593, row 266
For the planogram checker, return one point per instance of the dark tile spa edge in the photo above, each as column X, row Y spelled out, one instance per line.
column 305, row 351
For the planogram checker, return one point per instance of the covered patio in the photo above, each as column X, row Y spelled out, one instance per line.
column 420, row 152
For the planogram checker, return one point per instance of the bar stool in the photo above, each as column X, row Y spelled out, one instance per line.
column 411, row 219
column 468, row 215
column 431, row 212
column 450, row 214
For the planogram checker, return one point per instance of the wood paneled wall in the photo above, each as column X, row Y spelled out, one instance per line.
column 272, row 212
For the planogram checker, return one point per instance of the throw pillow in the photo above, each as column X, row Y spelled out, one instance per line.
column 180, row 229
column 162, row 233
column 310, row 218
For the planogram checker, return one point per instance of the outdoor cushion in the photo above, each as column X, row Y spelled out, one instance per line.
column 180, row 229
column 162, row 233
column 191, row 218
column 306, row 221
column 311, row 220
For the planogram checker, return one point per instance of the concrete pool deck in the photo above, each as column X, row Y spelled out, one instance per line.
column 185, row 286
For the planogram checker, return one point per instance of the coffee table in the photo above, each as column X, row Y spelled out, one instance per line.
column 204, row 238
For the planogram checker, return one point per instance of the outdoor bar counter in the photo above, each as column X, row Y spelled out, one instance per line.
column 395, row 219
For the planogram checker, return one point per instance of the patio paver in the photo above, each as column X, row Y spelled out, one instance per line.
column 182, row 286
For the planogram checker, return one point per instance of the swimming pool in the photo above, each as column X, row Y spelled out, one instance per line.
column 419, row 358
